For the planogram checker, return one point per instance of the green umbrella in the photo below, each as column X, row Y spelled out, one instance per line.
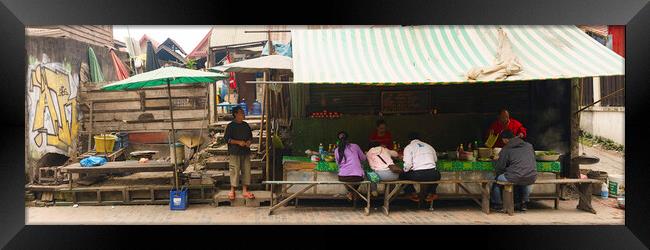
column 166, row 76
column 163, row 76
column 95, row 70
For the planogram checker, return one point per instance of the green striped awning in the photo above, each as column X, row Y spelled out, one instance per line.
column 444, row 54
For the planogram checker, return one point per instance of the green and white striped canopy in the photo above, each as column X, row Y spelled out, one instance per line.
column 444, row 54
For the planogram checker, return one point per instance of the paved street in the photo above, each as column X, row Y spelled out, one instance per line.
column 446, row 212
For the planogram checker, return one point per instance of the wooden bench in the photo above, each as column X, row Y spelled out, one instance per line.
column 583, row 188
column 391, row 193
column 311, row 184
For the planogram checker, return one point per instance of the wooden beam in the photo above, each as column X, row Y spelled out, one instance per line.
column 574, row 169
column 109, row 95
column 121, row 126
column 132, row 116
column 149, row 93
column 164, row 103
column 114, row 106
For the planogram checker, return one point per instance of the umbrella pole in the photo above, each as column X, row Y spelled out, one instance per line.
column 172, row 147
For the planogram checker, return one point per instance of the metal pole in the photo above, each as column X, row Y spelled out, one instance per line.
column 172, row 148
column 267, row 101
column 605, row 97
column 90, row 129
column 264, row 113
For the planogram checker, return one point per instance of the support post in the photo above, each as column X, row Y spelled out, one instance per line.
column 574, row 168
column 172, row 148
column 90, row 128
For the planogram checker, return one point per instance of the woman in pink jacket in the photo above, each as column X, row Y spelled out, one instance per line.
column 379, row 158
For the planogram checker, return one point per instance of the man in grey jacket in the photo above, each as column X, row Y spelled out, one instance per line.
column 516, row 164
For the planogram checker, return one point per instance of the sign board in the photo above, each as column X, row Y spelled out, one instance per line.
column 405, row 102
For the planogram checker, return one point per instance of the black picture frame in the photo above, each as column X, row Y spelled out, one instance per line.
column 16, row 14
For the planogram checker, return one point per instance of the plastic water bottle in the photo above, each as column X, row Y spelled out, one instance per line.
column 604, row 191
column 321, row 151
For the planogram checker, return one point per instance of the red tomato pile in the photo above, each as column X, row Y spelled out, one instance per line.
column 325, row 114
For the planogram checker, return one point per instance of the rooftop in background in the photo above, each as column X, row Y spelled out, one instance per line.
column 600, row 30
column 173, row 45
column 201, row 49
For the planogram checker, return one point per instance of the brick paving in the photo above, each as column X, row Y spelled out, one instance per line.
column 446, row 213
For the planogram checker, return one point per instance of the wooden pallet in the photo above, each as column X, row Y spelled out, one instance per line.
column 130, row 195
column 261, row 197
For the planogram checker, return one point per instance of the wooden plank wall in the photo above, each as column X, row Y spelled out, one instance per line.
column 144, row 110
column 452, row 98
column 101, row 35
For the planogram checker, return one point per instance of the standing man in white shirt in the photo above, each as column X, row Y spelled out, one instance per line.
column 420, row 165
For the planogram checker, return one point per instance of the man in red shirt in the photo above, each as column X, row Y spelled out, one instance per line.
column 504, row 122
column 381, row 135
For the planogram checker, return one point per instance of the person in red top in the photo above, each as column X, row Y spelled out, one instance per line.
column 504, row 122
column 381, row 135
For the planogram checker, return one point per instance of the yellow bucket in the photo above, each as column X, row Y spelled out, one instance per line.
column 104, row 143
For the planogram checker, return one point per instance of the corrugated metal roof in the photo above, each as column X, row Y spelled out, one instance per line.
column 444, row 54
column 230, row 35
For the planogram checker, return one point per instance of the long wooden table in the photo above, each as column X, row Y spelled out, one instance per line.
column 455, row 168
column 118, row 167
column 311, row 184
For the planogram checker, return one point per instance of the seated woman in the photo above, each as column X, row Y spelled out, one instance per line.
column 382, row 135
column 379, row 159
column 349, row 157
column 420, row 165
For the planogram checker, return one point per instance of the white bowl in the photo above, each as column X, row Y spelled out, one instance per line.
column 546, row 157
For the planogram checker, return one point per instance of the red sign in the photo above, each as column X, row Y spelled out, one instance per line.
column 231, row 81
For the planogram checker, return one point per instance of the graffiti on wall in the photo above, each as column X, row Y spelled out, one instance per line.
column 52, row 107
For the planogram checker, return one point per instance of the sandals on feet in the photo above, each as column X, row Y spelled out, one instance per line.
column 249, row 195
column 414, row 198
column 432, row 197
column 231, row 196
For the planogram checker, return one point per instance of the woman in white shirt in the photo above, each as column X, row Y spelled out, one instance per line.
column 420, row 165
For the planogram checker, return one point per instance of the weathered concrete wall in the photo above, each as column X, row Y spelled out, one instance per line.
column 52, row 87
column 604, row 122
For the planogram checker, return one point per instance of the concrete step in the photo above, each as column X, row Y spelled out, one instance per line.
column 221, row 198
column 221, row 125
column 256, row 135
column 223, row 149
column 229, row 117
column 222, row 163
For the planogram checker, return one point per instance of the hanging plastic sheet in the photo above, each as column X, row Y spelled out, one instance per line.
column 280, row 49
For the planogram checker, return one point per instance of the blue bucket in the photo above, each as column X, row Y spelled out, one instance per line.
column 178, row 199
